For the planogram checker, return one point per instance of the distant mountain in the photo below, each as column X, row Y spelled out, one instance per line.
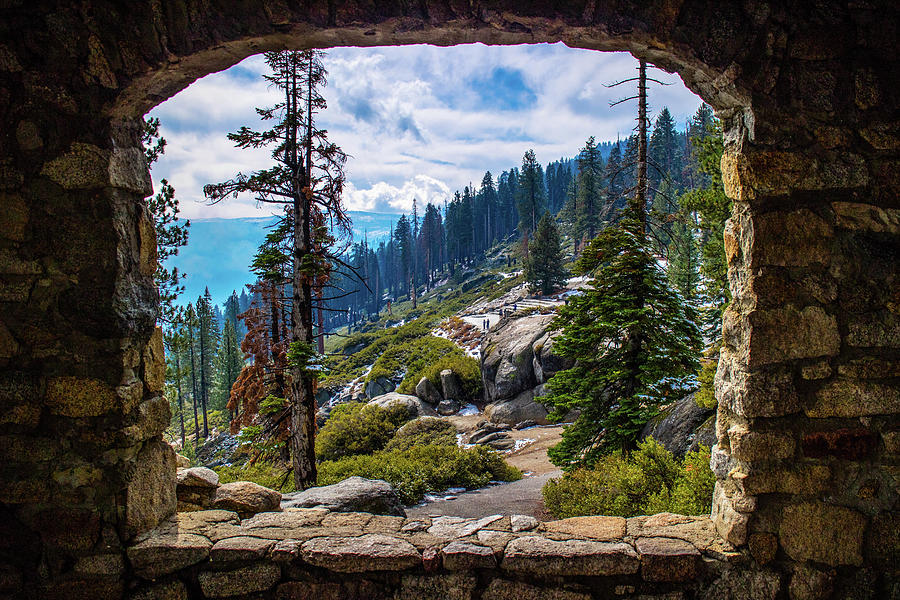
column 219, row 251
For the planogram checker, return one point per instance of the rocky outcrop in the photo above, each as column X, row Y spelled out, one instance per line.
column 246, row 498
column 507, row 364
column 683, row 427
column 517, row 360
column 452, row 386
column 426, row 392
column 354, row 494
column 379, row 387
column 415, row 406
column 448, row 407
column 524, row 407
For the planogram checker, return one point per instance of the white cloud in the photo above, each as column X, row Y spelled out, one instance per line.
column 417, row 121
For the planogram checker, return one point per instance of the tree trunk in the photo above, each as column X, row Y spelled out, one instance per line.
column 180, row 403
column 194, row 386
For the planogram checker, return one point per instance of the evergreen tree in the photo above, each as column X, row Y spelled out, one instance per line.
column 208, row 344
column 684, row 260
column 634, row 340
column 531, row 196
column 712, row 208
column 589, row 191
column 171, row 234
column 175, row 340
column 544, row 269
column 308, row 179
column 228, row 364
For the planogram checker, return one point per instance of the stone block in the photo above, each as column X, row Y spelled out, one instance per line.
column 759, row 446
column 604, row 529
column 854, row 398
column 744, row 584
column 799, row 479
column 370, row 552
column 361, row 589
column 751, row 175
column 730, row 524
column 786, row 334
column 808, row 583
column 883, row 542
column 160, row 555
column 791, row 239
column 128, row 171
column 856, row 216
column 768, row 393
column 763, row 547
column 465, row 556
column 458, row 527
column 543, row 557
column 84, row 166
column 167, row 590
column 109, row 565
column 869, row 368
column 874, row 330
column 699, row 531
column 891, row 441
column 847, row 444
column 667, row 559
column 197, row 477
column 501, row 589
column 456, row 586
column 80, row 397
column 823, row 533
column 150, row 495
column 13, row 217
column 153, row 416
column 241, row 548
column 246, row 498
column 258, row 577
column 523, row 523
column 155, row 363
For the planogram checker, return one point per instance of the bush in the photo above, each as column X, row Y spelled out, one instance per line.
column 413, row 357
column 423, row 432
column 421, row 469
column 468, row 369
column 358, row 428
column 706, row 395
column 273, row 476
column 648, row 481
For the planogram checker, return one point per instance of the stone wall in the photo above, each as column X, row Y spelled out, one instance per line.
column 315, row 554
column 809, row 381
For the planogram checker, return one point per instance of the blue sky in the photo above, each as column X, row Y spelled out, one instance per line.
column 417, row 121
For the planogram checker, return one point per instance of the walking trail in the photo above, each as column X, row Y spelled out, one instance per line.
column 521, row 497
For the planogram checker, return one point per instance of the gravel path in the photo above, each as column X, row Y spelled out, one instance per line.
column 521, row 497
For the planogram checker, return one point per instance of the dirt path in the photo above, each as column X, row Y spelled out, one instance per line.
column 521, row 497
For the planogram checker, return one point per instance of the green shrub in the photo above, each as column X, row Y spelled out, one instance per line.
column 412, row 357
column 706, row 395
column 648, row 481
column 358, row 428
column 422, row 469
column 468, row 369
column 423, row 432
column 273, row 476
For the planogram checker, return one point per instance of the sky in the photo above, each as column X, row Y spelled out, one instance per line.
column 417, row 121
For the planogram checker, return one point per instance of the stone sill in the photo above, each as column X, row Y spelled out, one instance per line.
column 231, row 556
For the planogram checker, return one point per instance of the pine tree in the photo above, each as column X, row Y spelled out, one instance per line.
column 171, row 234
column 307, row 179
column 713, row 208
column 208, row 344
column 589, row 195
column 229, row 363
column 531, row 197
column 634, row 340
column 175, row 339
column 544, row 269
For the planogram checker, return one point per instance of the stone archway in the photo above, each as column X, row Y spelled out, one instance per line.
column 809, row 381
